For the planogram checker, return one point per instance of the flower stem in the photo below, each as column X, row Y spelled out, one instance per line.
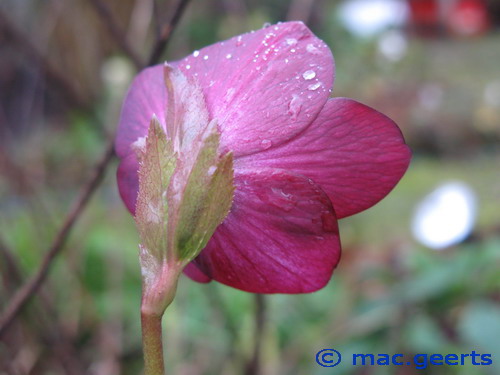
column 157, row 295
column 152, row 344
column 254, row 365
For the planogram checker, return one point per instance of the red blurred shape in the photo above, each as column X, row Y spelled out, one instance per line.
column 424, row 16
column 467, row 18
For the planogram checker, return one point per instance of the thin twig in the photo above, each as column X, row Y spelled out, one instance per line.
column 32, row 285
column 53, row 74
column 166, row 33
column 53, row 334
column 254, row 365
column 115, row 30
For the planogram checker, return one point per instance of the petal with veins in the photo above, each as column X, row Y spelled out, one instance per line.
column 356, row 154
column 281, row 236
column 253, row 84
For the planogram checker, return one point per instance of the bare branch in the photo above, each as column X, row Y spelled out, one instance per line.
column 60, row 343
column 253, row 367
column 53, row 74
column 166, row 32
column 116, row 31
column 24, row 294
column 32, row 285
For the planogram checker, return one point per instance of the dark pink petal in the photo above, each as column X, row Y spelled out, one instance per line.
column 281, row 236
column 263, row 87
column 194, row 273
column 146, row 97
column 356, row 154
column 128, row 181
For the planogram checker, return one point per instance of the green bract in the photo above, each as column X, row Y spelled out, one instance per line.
column 185, row 185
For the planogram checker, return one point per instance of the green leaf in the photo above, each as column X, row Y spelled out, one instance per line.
column 207, row 199
column 479, row 326
column 185, row 184
column 157, row 165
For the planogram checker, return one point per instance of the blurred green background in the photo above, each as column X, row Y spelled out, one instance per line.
column 62, row 78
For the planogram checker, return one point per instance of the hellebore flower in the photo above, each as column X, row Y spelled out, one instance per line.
column 301, row 160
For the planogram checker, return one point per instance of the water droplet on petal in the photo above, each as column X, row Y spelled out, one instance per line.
column 205, row 57
column 266, row 143
column 292, row 50
column 291, row 41
column 328, row 222
column 188, row 67
column 239, row 41
column 196, row 53
column 228, row 56
column 211, row 170
column 309, row 74
column 230, row 94
column 295, row 106
column 266, row 24
column 314, row 86
column 311, row 48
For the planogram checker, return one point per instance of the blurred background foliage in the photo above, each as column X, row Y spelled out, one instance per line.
column 62, row 78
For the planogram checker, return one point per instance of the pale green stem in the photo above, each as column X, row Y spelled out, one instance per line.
column 152, row 344
column 156, row 297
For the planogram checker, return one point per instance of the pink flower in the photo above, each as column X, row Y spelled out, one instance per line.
column 302, row 160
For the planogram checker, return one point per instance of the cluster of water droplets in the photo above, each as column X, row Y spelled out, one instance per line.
column 269, row 51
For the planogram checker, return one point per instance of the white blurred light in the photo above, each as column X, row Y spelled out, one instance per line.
column 369, row 17
column 446, row 216
column 430, row 96
column 492, row 93
column 393, row 45
column 117, row 72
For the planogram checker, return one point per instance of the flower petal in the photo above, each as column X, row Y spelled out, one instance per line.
column 128, row 181
column 265, row 86
column 356, row 154
column 280, row 237
column 194, row 273
column 146, row 97
column 262, row 87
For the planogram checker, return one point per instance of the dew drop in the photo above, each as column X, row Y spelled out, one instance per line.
column 309, row 74
column 286, row 61
column 295, row 106
column 291, row 41
column 228, row 56
column 188, row 67
column 196, row 53
column 211, row 170
column 314, row 86
column 205, row 57
column 230, row 94
column 239, row 41
column 266, row 24
column 292, row 50
column 266, row 143
column 328, row 223
column 311, row 48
